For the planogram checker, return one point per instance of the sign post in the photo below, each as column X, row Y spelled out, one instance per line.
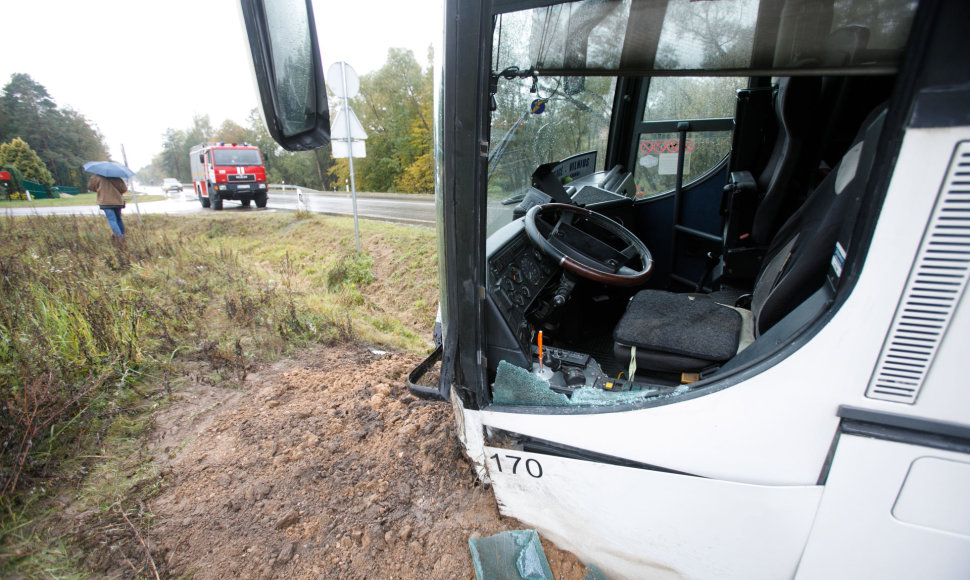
column 346, row 132
column 133, row 194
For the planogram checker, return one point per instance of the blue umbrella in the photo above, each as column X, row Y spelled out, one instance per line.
column 108, row 169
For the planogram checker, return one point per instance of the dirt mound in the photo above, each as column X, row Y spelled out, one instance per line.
column 321, row 466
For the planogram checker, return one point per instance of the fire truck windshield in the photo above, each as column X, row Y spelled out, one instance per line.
column 237, row 157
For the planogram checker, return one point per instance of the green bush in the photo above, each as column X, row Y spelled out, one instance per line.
column 351, row 270
column 14, row 187
column 18, row 153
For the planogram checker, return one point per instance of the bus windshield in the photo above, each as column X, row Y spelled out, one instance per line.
column 532, row 128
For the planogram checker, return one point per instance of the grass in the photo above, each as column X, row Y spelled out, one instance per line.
column 76, row 200
column 94, row 335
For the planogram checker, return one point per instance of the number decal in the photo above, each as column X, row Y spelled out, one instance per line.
column 532, row 467
column 529, row 463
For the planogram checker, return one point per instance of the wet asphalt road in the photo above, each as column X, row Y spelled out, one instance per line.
column 410, row 209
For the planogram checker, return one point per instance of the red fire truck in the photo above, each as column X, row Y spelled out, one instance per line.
column 223, row 171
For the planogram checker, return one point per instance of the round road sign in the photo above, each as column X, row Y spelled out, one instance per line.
column 344, row 83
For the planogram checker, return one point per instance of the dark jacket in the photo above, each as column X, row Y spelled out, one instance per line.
column 110, row 190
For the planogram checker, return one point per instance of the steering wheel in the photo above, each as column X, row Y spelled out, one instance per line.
column 600, row 261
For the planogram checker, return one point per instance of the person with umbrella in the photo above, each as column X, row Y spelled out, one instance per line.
column 106, row 180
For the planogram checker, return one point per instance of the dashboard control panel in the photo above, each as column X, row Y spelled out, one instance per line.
column 516, row 275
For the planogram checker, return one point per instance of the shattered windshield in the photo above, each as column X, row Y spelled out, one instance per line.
column 532, row 128
column 539, row 119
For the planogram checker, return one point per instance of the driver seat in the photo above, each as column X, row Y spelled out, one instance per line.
column 687, row 333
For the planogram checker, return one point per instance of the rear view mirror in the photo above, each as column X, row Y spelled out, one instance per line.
column 288, row 71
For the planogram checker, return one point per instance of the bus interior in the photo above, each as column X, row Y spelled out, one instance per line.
column 731, row 146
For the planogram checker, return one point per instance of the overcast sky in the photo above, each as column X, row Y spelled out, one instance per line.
column 136, row 68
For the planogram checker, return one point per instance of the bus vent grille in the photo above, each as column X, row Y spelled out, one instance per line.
column 933, row 291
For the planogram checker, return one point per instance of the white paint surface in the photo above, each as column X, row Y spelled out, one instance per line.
column 856, row 535
column 637, row 523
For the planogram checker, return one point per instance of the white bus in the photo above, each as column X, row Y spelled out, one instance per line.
column 702, row 274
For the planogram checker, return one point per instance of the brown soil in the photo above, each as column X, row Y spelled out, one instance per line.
column 321, row 466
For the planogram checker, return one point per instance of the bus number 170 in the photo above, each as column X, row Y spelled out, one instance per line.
column 532, row 467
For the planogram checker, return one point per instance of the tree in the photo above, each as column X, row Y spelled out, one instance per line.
column 174, row 158
column 521, row 141
column 231, row 132
column 419, row 176
column 19, row 154
column 307, row 168
column 75, row 141
column 173, row 161
column 258, row 135
column 395, row 108
column 720, row 33
column 63, row 139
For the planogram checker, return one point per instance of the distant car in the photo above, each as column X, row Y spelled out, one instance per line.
column 169, row 185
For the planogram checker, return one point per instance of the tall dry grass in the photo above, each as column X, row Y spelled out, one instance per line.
column 84, row 320
column 93, row 336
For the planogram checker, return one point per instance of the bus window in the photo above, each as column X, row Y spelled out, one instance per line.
column 707, row 35
column 674, row 99
column 529, row 129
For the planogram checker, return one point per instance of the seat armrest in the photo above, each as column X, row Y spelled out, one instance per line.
column 738, row 205
column 743, row 180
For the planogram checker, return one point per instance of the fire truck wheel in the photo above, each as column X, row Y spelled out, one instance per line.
column 216, row 200
column 246, row 202
column 261, row 199
column 204, row 201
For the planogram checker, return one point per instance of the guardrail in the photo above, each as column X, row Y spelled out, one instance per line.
column 289, row 187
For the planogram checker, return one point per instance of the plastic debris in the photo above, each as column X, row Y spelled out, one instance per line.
column 510, row 555
column 516, row 386
column 592, row 396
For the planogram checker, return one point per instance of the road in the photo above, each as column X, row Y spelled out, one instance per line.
column 410, row 209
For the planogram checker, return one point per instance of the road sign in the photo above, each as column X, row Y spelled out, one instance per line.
column 343, row 80
column 339, row 149
column 338, row 127
column 347, row 134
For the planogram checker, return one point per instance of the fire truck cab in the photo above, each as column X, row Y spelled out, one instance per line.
column 223, row 171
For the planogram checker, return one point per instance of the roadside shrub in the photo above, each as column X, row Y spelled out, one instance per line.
column 351, row 270
column 14, row 188
column 18, row 153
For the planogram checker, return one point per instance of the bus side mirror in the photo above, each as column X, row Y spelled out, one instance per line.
column 201, row 158
column 288, row 71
